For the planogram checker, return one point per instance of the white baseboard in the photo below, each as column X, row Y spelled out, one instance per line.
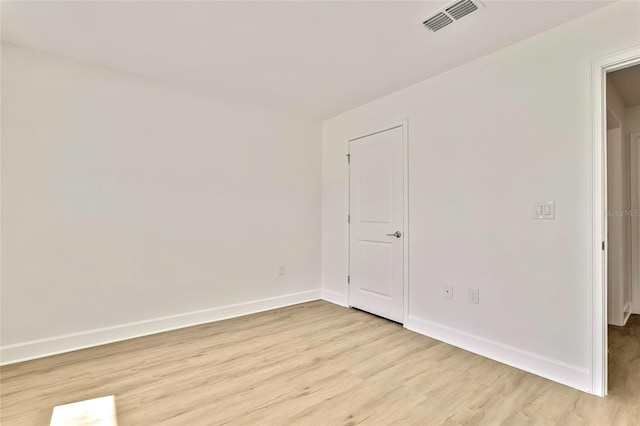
column 570, row 375
column 19, row 352
column 626, row 313
column 334, row 297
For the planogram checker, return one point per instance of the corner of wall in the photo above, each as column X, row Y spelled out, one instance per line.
column 334, row 297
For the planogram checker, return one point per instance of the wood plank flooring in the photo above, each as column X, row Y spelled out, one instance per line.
column 313, row 364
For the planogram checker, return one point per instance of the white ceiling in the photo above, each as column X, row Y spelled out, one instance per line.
column 627, row 81
column 317, row 58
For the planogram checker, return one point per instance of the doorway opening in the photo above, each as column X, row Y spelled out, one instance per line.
column 612, row 182
column 623, row 219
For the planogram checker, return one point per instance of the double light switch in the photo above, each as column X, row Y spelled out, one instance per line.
column 544, row 210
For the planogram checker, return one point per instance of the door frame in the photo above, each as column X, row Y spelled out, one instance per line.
column 599, row 344
column 405, row 189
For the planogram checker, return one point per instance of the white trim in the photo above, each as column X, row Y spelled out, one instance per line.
column 626, row 312
column 570, row 375
column 25, row 351
column 334, row 297
column 599, row 68
column 405, row 165
column 369, row 132
column 405, row 183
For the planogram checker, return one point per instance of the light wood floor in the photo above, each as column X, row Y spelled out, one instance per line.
column 313, row 364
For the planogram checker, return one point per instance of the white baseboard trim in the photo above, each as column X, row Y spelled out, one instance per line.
column 334, row 297
column 19, row 352
column 626, row 313
column 570, row 375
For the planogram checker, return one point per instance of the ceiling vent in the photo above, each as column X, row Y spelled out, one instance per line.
column 452, row 12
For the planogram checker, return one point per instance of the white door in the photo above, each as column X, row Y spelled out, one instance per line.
column 376, row 247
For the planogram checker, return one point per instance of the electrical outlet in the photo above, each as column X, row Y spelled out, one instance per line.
column 281, row 270
column 474, row 295
column 447, row 292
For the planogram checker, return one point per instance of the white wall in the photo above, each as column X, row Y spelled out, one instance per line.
column 487, row 140
column 127, row 201
column 632, row 118
column 614, row 100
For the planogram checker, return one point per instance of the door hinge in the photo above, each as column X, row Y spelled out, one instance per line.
column 348, row 218
column 348, row 158
column 348, row 279
column 603, row 246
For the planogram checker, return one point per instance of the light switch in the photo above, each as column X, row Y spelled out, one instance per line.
column 544, row 210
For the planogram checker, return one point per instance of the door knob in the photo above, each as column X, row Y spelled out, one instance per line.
column 396, row 234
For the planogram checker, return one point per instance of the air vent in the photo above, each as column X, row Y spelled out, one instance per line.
column 462, row 8
column 436, row 22
column 450, row 13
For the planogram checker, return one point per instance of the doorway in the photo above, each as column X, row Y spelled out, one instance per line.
column 634, row 157
column 611, row 181
column 378, row 244
column 623, row 124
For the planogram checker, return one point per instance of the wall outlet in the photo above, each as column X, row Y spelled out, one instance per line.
column 281, row 270
column 447, row 291
column 474, row 295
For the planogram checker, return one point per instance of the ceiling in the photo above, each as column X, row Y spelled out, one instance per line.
column 316, row 58
column 627, row 81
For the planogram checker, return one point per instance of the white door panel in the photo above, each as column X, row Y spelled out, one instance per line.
column 375, row 276
column 377, row 213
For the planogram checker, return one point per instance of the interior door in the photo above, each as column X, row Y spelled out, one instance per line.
column 376, row 246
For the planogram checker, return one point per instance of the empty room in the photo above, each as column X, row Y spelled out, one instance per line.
column 320, row 213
